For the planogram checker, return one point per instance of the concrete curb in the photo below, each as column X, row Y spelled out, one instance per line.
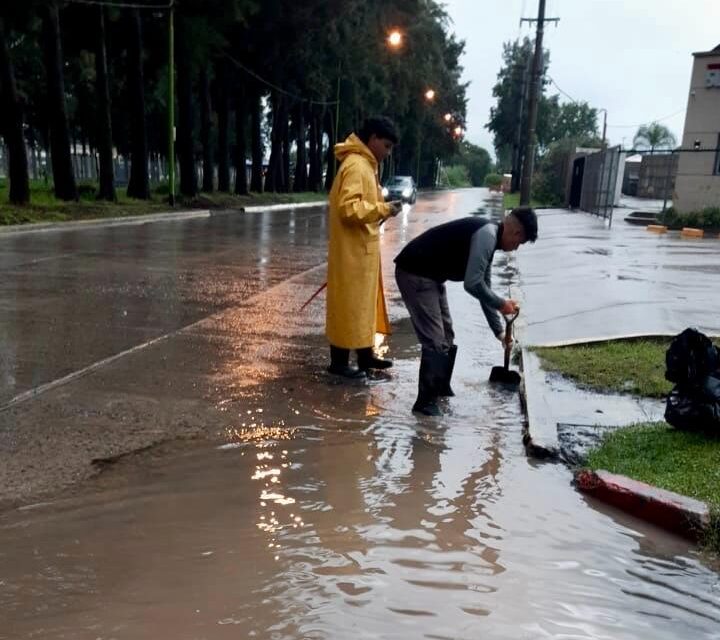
column 93, row 223
column 540, row 433
column 285, row 206
column 147, row 218
column 669, row 510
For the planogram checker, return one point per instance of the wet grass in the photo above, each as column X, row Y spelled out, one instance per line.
column 512, row 200
column 655, row 453
column 44, row 207
column 635, row 366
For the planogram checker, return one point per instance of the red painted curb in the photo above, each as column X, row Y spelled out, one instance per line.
column 669, row 510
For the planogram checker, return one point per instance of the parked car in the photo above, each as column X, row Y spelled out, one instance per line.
column 400, row 188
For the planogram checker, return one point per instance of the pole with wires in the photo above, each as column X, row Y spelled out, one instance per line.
column 171, row 105
column 535, row 89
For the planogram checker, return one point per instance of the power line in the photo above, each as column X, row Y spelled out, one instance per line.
column 277, row 88
column 567, row 95
column 616, row 126
column 122, row 5
column 635, row 126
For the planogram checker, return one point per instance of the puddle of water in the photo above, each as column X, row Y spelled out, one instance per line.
column 353, row 518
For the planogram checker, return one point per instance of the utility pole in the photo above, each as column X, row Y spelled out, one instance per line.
column 535, row 88
column 517, row 145
column 171, row 105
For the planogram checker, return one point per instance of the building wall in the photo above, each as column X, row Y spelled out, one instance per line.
column 698, row 179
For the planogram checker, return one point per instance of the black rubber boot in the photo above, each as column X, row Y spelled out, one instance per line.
column 340, row 364
column 445, row 389
column 433, row 365
column 367, row 360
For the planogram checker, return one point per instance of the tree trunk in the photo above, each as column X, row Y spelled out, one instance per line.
column 286, row 151
column 330, row 155
column 223, row 122
column 314, row 170
column 241, row 187
column 256, row 181
column 139, row 184
column 104, row 140
column 206, row 132
column 12, row 127
column 274, row 174
column 300, row 181
column 186, row 151
column 63, row 176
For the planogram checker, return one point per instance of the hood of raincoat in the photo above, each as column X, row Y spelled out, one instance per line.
column 353, row 144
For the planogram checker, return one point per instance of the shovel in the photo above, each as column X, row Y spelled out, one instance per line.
column 503, row 375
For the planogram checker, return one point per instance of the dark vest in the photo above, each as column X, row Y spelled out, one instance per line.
column 441, row 253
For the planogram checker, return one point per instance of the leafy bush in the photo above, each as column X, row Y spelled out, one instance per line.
column 493, row 180
column 708, row 218
column 458, row 176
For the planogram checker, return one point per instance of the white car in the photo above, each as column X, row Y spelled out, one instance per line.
column 400, row 188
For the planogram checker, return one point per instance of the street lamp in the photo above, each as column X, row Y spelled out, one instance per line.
column 395, row 39
column 430, row 95
column 448, row 117
column 458, row 131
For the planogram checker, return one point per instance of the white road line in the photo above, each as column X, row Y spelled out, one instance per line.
column 40, row 389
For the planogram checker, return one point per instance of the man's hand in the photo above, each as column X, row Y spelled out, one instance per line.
column 509, row 308
column 506, row 341
column 395, row 207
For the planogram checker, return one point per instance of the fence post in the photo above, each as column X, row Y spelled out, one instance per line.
column 668, row 173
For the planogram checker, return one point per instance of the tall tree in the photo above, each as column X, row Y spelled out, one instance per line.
column 300, row 180
column 186, row 108
column 11, row 126
column 241, row 118
column 654, row 136
column 256, row 179
column 104, row 129
column 63, row 175
column 139, row 184
column 222, row 106
column 206, row 132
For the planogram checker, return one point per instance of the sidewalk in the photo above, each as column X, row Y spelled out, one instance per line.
column 582, row 282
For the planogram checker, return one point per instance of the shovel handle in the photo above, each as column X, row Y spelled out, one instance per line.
column 508, row 337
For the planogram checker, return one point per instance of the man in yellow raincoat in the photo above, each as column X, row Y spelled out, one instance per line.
column 356, row 307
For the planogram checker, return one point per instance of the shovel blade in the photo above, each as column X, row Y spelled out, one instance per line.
column 501, row 375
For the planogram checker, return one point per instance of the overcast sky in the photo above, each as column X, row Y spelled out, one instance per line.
column 632, row 57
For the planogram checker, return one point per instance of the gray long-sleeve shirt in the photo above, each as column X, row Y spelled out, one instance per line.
column 478, row 275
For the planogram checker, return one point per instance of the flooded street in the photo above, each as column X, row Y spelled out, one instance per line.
column 275, row 502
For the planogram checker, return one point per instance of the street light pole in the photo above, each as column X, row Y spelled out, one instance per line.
column 171, row 105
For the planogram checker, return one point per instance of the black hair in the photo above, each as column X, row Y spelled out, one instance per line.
column 380, row 126
column 528, row 220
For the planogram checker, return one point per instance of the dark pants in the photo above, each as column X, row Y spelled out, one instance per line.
column 426, row 301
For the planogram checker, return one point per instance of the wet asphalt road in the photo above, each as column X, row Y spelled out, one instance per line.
column 277, row 503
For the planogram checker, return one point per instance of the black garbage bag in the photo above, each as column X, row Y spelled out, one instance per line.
column 690, row 358
column 693, row 363
column 695, row 407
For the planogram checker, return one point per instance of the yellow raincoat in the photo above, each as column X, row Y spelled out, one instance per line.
column 356, row 307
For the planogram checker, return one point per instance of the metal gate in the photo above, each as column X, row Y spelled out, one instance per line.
column 600, row 182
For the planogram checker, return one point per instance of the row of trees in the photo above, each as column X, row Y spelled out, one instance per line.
column 249, row 75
